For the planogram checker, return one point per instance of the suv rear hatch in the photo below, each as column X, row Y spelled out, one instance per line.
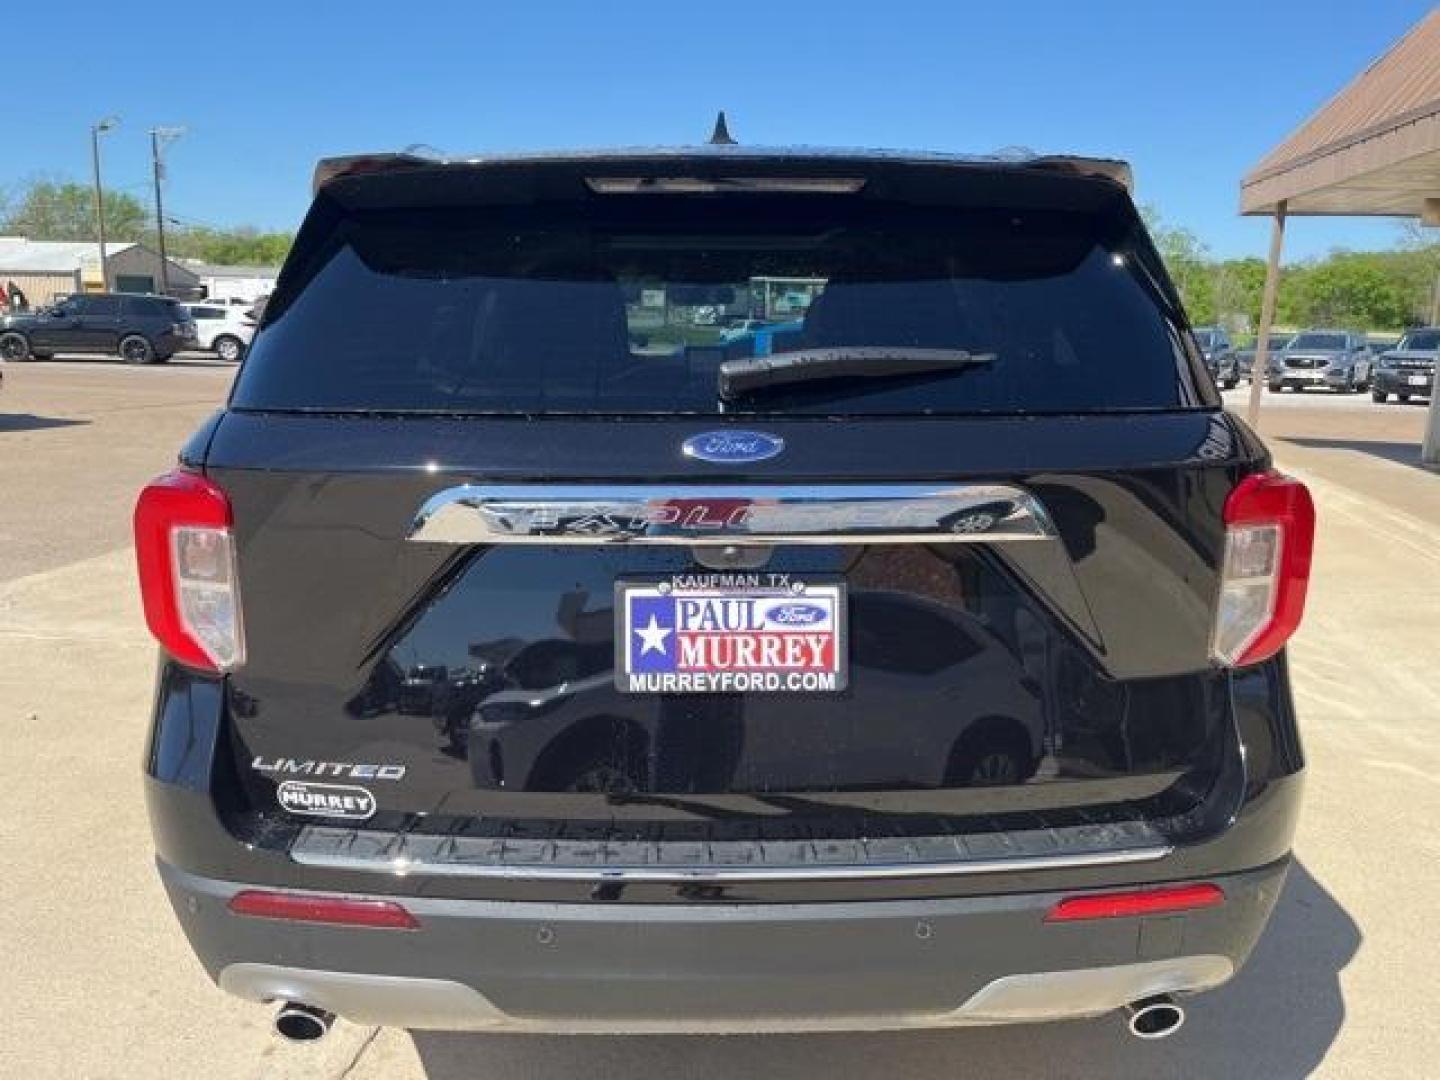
column 522, row 586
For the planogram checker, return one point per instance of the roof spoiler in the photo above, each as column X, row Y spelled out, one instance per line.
column 328, row 169
column 1111, row 169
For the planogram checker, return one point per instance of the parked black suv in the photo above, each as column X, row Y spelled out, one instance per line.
column 139, row 329
column 537, row 656
column 1215, row 347
column 1408, row 370
column 1239, row 363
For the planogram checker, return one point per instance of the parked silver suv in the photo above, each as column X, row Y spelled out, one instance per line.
column 1338, row 360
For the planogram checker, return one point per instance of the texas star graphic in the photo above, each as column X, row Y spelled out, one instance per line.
column 652, row 637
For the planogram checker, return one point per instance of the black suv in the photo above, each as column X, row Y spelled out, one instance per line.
column 1408, row 370
column 1215, row 347
column 539, row 655
column 139, row 329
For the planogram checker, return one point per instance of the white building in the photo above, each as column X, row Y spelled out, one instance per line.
column 226, row 283
column 43, row 269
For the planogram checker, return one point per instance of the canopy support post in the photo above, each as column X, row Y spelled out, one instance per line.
column 1260, row 369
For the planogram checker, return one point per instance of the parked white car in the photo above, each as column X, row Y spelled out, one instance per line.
column 222, row 329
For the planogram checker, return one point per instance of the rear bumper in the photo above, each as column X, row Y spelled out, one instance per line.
column 505, row 965
column 167, row 344
column 527, row 950
column 1301, row 381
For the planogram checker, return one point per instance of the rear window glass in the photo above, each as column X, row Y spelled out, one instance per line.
column 1318, row 341
column 632, row 304
column 1422, row 340
column 153, row 308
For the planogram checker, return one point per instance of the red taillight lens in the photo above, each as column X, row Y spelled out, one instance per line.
column 335, row 910
column 186, row 557
column 1269, row 539
column 1138, row 902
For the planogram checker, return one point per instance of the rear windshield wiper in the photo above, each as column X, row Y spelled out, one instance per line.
column 740, row 377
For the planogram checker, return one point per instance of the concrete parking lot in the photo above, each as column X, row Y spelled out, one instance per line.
column 100, row 983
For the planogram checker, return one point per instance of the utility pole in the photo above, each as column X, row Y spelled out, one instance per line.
column 1430, row 447
column 96, row 130
column 159, row 139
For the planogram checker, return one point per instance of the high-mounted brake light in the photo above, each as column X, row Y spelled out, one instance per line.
column 186, row 557
column 1118, row 905
column 1269, row 539
column 691, row 185
column 334, row 910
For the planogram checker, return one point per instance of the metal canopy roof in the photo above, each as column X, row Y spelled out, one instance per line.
column 1373, row 149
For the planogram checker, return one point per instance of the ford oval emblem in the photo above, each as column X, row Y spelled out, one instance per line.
column 733, row 447
column 796, row 614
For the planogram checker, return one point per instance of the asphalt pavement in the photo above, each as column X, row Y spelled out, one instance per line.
column 100, row 982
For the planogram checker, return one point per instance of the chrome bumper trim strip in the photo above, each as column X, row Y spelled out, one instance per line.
column 721, row 875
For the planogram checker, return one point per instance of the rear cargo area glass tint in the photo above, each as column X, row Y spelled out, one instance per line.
column 631, row 306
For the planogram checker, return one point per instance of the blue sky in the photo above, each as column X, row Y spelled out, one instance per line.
column 1191, row 93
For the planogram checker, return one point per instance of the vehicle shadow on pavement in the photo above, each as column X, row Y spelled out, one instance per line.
column 180, row 360
column 1276, row 1020
column 30, row 422
column 1402, row 453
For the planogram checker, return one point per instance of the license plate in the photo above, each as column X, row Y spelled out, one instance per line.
column 730, row 633
column 1418, row 380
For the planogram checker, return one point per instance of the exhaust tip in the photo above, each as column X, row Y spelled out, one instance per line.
column 302, row 1023
column 1154, row 1017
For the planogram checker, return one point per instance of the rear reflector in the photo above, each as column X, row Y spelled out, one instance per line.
column 334, row 910
column 1140, row 902
column 1269, row 539
column 186, row 557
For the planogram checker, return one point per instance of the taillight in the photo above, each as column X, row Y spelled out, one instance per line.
column 1162, row 901
column 1269, row 538
column 334, row 910
column 186, row 555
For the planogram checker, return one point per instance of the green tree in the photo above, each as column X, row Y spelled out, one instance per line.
column 1350, row 289
column 1239, row 286
column 1188, row 261
column 55, row 210
column 244, row 246
column 1419, row 267
column 1370, row 290
column 60, row 210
